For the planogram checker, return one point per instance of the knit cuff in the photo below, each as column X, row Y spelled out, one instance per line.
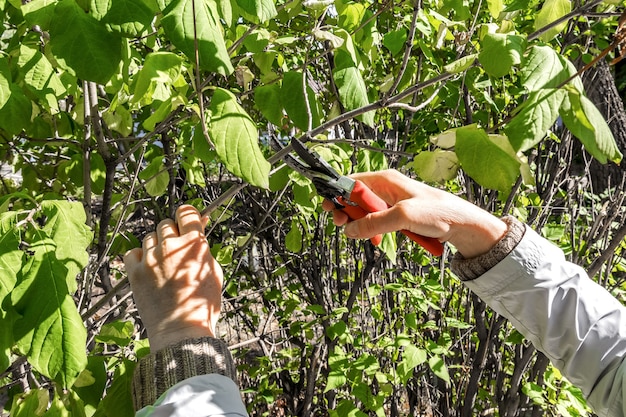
column 472, row 268
column 159, row 371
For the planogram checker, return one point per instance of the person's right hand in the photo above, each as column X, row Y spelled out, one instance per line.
column 424, row 210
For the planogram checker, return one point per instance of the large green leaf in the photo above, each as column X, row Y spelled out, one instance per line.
column 551, row 11
column 236, row 139
column 84, row 43
column 50, row 331
column 350, row 85
column 178, row 23
column 483, row 160
column 544, row 68
column 534, row 118
column 292, row 95
column 500, row 52
column 40, row 77
column 129, row 17
column 585, row 122
column 258, row 10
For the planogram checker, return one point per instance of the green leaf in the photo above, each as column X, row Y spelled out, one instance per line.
column 118, row 401
column 351, row 86
column 292, row 96
column 156, row 177
column 336, row 379
column 551, row 11
column 412, row 357
column 178, row 24
column 155, row 79
column 33, row 403
column 484, row 160
column 395, row 40
column 10, row 264
column 267, row 100
column 15, row 107
column 439, row 368
column 545, row 68
column 39, row 12
column 260, row 10
column 370, row 160
column 236, row 139
column 116, row 333
column 389, row 246
column 500, row 52
column 534, row 118
column 66, row 226
column 131, row 18
column 40, row 77
column 460, row 64
column 585, row 122
column 51, row 331
column 96, row 57
column 436, row 166
column 293, row 239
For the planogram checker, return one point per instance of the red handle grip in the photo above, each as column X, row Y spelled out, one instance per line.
column 369, row 202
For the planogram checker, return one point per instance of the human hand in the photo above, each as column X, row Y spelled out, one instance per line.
column 424, row 210
column 176, row 282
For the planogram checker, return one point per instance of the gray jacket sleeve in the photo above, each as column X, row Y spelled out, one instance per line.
column 575, row 322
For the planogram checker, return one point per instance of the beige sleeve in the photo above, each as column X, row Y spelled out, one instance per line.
column 159, row 371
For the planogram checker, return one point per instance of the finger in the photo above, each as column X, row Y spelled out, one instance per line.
column 189, row 220
column 150, row 241
column 374, row 224
column 132, row 257
column 167, row 228
column 390, row 185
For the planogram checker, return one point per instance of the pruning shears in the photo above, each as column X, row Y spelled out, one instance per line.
column 351, row 196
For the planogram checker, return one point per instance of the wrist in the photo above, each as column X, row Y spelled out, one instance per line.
column 163, row 337
column 477, row 235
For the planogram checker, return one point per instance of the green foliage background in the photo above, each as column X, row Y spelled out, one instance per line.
column 114, row 112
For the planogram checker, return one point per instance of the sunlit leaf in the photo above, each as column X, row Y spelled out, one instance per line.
column 585, row 122
column 534, row 118
column 485, row 161
column 260, row 10
column 204, row 30
column 236, row 139
column 500, row 52
column 436, row 166
column 50, row 330
column 551, row 11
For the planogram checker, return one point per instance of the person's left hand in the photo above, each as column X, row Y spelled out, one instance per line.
column 176, row 282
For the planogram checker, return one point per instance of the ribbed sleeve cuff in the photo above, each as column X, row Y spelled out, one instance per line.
column 472, row 268
column 159, row 371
